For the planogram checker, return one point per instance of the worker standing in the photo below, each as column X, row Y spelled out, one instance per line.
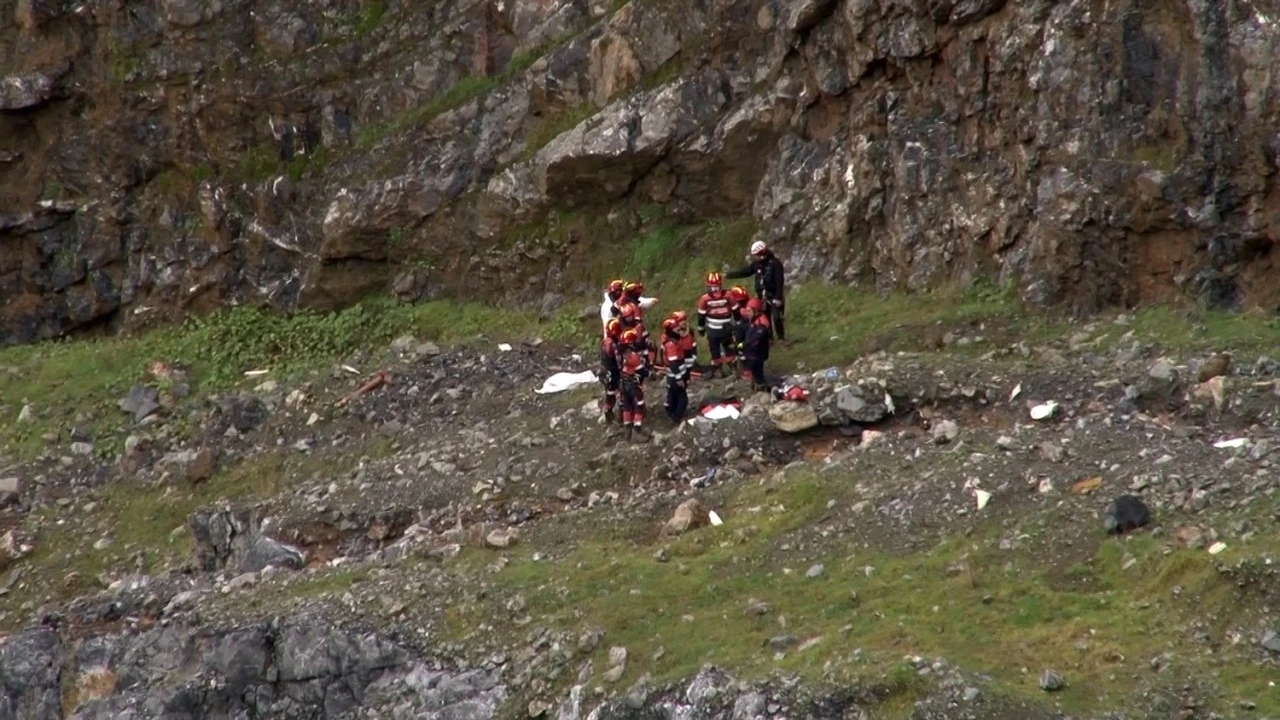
column 679, row 364
column 715, row 322
column 738, row 298
column 610, row 372
column 755, row 348
column 770, row 284
column 616, row 295
column 634, row 366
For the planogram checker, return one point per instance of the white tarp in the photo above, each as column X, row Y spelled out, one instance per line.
column 566, row 381
column 721, row 412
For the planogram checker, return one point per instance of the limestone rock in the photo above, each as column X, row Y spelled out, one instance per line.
column 793, row 417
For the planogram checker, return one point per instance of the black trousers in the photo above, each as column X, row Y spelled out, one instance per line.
column 609, row 377
column 755, row 366
column 776, row 321
column 677, row 403
column 724, row 348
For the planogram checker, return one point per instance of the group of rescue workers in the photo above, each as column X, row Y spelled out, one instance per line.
column 739, row 330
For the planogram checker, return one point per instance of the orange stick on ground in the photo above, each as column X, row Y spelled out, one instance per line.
column 378, row 380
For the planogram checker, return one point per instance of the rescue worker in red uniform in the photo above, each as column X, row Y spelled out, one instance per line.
column 687, row 339
column 629, row 314
column 609, row 370
column 715, row 322
column 679, row 362
column 755, row 348
column 633, row 363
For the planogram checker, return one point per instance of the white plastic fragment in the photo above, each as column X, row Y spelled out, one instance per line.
column 255, row 373
column 715, row 519
column 1044, row 411
column 1232, row 443
column 351, row 370
column 1217, row 547
column 983, row 497
column 1016, row 392
column 504, row 347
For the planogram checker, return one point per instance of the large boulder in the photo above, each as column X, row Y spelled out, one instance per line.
column 793, row 417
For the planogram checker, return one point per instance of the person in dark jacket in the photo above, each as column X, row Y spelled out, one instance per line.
column 755, row 347
column 770, row 284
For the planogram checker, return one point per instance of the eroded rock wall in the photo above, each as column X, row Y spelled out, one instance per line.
column 165, row 157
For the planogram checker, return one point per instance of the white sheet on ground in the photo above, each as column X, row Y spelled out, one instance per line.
column 565, row 381
column 721, row 412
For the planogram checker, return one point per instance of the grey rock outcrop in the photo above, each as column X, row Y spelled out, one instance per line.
column 233, row 539
column 1091, row 156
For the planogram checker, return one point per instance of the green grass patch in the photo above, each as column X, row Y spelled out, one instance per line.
column 371, row 14
column 460, row 93
column 959, row 600
column 63, row 379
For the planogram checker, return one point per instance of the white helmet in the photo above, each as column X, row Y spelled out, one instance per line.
column 758, row 247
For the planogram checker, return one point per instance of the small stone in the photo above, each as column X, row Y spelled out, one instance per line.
column 201, row 467
column 1161, row 370
column 243, row 581
column 27, row 414
column 588, row 641
column 427, row 349
column 779, row 643
column 269, row 386
column 181, row 601
column 1006, row 443
column 538, row 708
column 691, row 515
column 971, row 694
column 501, row 538
column 564, row 494
column 1051, row 452
column 391, row 427
column 814, row 571
column 758, row 608
column 1190, row 536
column 945, row 431
column 1051, row 681
column 82, row 448
column 1270, row 641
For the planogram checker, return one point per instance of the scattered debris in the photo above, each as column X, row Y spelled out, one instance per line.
column 373, row 383
column 1087, row 485
column 1044, row 411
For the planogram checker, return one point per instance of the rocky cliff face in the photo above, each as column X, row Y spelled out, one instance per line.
column 170, row 156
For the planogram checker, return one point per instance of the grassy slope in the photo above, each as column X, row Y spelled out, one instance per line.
column 911, row 604
column 870, row 609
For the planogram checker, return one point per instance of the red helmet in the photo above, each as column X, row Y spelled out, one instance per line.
column 758, row 248
column 737, row 293
column 629, row 313
column 613, row 328
column 755, row 304
column 680, row 317
column 616, row 287
column 630, row 336
column 714, row 281
column 669, row 325
column 634, row 288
